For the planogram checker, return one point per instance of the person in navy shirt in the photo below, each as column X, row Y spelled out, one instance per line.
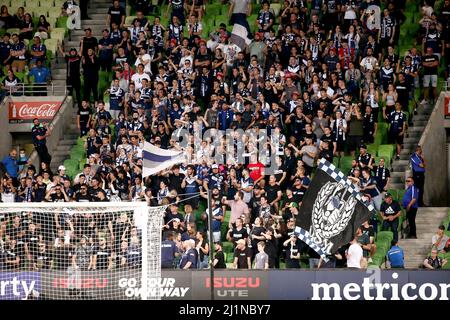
column 174, row 113
column 225, row 117
column 38, row 50
column 5, row 47
column 418, row 169
column 395, row 256
column 390, row 212
column 17, row 52
column 105, row 46
column 169, row 251
column 190, row 256
column 217, row 219
column 135, row 125
column 39, row 134
column 93, row 143
column 102, row 113
column 397, row 121
column 410, row 203
column 382, row 175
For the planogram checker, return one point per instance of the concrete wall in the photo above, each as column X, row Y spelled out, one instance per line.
column 5, row 137
column 433, row 142
column 61, row 121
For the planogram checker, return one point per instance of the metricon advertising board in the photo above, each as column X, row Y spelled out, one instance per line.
column 230, row 285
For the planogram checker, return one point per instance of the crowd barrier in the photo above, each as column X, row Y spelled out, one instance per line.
column 232, row 284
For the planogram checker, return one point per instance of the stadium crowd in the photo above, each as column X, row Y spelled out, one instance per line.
column 23, row 55
column 317, row 77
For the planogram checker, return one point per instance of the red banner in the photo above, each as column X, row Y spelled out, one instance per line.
column 447, row 107
column 20, row 112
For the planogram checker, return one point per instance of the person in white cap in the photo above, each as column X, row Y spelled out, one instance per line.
column 62, row 172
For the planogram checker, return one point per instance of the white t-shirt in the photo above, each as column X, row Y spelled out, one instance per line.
column 350, row 13
column 183, row 59
column 137, row 79
column 355, row 254
column 369, row 63
column 145, row 57
column 230, row 52
column 240, row 6
column 212, row 44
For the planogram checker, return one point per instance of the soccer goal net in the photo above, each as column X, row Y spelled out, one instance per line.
column 76, row 250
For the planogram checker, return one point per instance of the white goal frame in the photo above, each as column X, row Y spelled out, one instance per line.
column 146, row 218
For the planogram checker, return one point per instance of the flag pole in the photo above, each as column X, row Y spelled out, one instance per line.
column 211, row 244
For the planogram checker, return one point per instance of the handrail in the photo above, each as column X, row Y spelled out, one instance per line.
column 446, row 85
column 32, row 88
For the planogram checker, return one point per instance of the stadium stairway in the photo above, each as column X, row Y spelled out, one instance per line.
column 427, row 222
column 97, row 12
column 414, row 133
column 62, row 151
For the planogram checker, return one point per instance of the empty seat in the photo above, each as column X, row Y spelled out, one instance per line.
column 58, row 3
column 54, row 12
column 58, row 34
column 386, row 149
column 276, row 7
column 213, row 9
column 386, row 236
column 252, row 22
column 52, row 21
column 52, row 45
column 372, row 149
column 393, row 193
column 224, row 10
column 33, row 3
column 221, row 19
column 33, row 10
column 13, row 30
column 129, row 20
column 346, row 164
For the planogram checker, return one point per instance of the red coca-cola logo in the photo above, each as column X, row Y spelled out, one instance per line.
column 44, row 110
column 30, row 110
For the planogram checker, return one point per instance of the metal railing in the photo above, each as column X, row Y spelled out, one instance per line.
column 36, row 89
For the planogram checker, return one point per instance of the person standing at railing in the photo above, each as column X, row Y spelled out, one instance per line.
column 11, row 84
column 42, row 76
column 39, row 134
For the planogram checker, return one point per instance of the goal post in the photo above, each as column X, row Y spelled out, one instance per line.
column 80, row 250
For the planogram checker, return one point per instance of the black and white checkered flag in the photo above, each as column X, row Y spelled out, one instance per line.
column 331, row 211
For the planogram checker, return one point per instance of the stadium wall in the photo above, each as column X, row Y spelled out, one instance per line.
column 433, row 142
column 6, row 137
column 234, row 284
column 19, row 127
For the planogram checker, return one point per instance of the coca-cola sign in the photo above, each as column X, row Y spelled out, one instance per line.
column 20, row 112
